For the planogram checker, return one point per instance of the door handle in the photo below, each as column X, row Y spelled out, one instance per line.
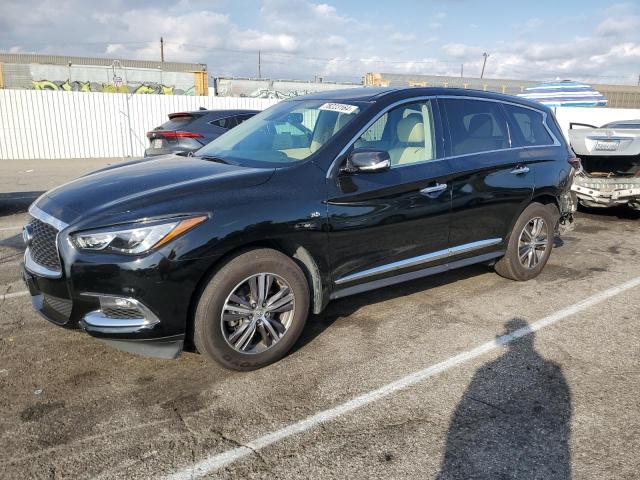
column 520, row 170
column 438, row 187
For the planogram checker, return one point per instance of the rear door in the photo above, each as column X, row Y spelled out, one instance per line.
column 491, row 181
column 389, row 222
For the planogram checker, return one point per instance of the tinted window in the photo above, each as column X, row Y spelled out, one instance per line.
column 226, row 122
column 289, row 131
column 406, row 132
column 177, row 123
column 476, row 126
column 527, row 127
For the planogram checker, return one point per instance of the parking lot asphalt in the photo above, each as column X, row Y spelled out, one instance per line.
column 561, row 402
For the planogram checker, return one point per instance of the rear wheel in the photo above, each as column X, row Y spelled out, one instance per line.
column 252, row 311
column 530, row 243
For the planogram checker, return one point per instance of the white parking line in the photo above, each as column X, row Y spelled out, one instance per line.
column 6, row 229
column 7, row 296
column 223, row 459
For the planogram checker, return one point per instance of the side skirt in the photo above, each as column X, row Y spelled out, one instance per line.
column 405, row 277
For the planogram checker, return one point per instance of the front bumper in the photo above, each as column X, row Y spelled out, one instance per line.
column 122, row 322
column 607, row 192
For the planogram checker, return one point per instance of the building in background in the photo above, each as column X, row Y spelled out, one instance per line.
column 272, row 89
column 86, row 74
column 618, row 96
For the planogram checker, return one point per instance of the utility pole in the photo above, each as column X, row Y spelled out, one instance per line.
column 259, row 65
column 461, row 70
column 161, row 50
column 484, row 64
column 639, row 80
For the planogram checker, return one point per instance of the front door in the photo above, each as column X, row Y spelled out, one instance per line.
column 389, row 222
column 491, row 181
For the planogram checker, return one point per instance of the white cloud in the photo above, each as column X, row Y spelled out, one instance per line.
column 461, row 51
column 296, row 36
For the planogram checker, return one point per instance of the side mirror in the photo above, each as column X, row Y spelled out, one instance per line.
column 368, row 160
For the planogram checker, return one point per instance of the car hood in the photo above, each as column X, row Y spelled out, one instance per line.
column 135, row 185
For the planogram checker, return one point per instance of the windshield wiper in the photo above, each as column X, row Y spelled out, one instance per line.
column 212, row 158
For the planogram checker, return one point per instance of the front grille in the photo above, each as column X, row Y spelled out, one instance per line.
column 43, row 249
column 122, row 313
column 61, row 305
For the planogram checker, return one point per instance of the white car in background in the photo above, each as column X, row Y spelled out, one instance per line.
column 610, row 157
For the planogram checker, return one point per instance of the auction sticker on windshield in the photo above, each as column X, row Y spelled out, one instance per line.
column 339, row 107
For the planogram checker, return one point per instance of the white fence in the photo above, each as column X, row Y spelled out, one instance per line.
column 48, row 124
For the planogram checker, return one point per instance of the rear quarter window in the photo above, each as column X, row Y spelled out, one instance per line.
column 527, row 127
column 226, row 122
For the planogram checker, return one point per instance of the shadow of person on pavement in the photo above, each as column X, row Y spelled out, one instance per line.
column 514, row 420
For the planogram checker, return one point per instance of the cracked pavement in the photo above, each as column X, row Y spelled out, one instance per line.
column 560, row 403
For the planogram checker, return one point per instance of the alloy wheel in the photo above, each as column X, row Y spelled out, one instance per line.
column 533, row 242
column 257, row 313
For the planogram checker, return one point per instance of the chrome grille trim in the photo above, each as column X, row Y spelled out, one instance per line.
column 46, row 218
column 37, row 262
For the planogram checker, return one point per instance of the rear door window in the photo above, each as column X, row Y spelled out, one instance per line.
column 527, row 127
column 476, row 126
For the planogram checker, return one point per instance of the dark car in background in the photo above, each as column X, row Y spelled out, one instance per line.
column 188, row 131
column 316, row 198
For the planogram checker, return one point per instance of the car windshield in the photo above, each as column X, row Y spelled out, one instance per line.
column 288, row 132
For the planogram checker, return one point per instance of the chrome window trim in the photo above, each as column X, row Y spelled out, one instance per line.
column 556, row 142
column 419, row 260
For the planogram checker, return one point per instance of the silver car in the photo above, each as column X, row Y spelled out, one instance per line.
column 610, row 157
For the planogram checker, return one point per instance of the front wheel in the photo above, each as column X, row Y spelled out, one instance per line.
column 252, row 311
column 530, row 243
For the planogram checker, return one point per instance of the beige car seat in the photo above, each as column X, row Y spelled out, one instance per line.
column 411, row 147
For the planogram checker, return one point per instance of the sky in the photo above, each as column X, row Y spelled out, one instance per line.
column 589, row 40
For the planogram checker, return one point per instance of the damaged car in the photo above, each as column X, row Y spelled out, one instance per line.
column 610, row 157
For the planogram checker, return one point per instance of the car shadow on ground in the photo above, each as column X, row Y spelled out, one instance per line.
column 349, row 305
column 17, row 202
column 514, row 419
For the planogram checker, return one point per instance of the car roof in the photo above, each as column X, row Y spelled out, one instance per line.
column 215, row 113
column 373, row 94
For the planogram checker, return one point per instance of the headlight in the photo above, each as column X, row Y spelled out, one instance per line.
column 134, row 239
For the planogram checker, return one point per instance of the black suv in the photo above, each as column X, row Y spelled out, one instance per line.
column 186, row 132
column 316, row 198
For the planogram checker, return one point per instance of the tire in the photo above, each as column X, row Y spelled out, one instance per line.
column 510, row 266
column 252, row 336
